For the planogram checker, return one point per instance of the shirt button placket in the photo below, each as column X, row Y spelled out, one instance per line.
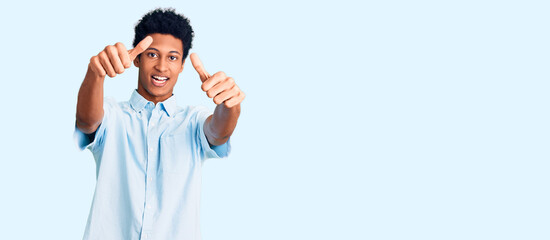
column 146, row 236
column 152, row 155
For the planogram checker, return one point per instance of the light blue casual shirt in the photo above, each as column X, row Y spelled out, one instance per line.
column 148, row 170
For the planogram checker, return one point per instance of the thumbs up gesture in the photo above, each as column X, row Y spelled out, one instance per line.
column 115, row 58
column 219, row 87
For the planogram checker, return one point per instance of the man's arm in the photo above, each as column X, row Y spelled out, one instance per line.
column 219, row 126
column 111, row 61
column 89, row 108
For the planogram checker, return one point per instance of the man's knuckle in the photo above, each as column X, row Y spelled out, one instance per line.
column 220, row 74
column 102, row 55
column 210, row 94
column 237, row 92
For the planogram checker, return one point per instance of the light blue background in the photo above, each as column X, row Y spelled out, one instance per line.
column 363, row 119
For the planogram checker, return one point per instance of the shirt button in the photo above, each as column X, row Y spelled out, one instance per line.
column 152, row 124
column 150, row 179
column 148, row 206
column 150, row 149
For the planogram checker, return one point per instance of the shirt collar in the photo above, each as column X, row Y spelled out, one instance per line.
column 138, row 102
column 170, row 105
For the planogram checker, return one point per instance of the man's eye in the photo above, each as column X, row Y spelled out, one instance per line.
column 173, row 58
column 152, row 54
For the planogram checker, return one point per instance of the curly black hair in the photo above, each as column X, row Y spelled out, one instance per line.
column 165, row 21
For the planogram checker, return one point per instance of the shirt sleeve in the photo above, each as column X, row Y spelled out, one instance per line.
column 83, row 141
column 210, row 151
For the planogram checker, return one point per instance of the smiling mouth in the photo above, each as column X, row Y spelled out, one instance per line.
column 159, row 81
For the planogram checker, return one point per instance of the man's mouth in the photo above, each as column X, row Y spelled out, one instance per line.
column 159, row 81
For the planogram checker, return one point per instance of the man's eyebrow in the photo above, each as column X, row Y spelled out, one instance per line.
column 173, row 51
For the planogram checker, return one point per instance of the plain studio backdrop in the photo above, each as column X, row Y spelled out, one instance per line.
column 363, row 119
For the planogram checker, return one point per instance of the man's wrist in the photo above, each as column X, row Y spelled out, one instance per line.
column 92, row 76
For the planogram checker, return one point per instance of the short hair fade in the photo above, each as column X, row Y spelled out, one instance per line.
column 165, row 21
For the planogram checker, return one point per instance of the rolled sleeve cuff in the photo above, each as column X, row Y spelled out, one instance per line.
column 211, row 151
column 81, row 139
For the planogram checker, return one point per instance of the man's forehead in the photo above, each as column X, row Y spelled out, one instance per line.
column 166, row 43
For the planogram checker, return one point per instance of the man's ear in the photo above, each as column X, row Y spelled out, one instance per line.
column 136, row 61
column 182, row 64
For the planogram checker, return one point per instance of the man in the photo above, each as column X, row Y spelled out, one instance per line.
column 149, row 151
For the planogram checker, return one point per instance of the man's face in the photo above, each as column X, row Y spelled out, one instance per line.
column 159, row 67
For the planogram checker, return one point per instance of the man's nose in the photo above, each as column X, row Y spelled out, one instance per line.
column 162, row 65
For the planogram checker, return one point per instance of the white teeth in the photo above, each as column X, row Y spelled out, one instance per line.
column 160, row 78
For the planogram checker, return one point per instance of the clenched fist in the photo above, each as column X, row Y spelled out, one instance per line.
column 219, row 87
column 115, row 58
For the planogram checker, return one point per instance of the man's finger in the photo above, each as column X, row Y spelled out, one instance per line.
column 213, row 80
column 233, row 101
column 140, row 47
column 197, row 64
column 106, row 64
column 97, row 67
column 123, row 55
column 112, row 53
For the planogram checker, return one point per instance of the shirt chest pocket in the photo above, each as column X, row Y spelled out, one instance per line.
column 177, row 155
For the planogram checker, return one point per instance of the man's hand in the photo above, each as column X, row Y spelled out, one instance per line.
column 218, row 86
column 115, row 58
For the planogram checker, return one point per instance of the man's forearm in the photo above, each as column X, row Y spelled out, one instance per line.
column 220, row 125
column 89, row 108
